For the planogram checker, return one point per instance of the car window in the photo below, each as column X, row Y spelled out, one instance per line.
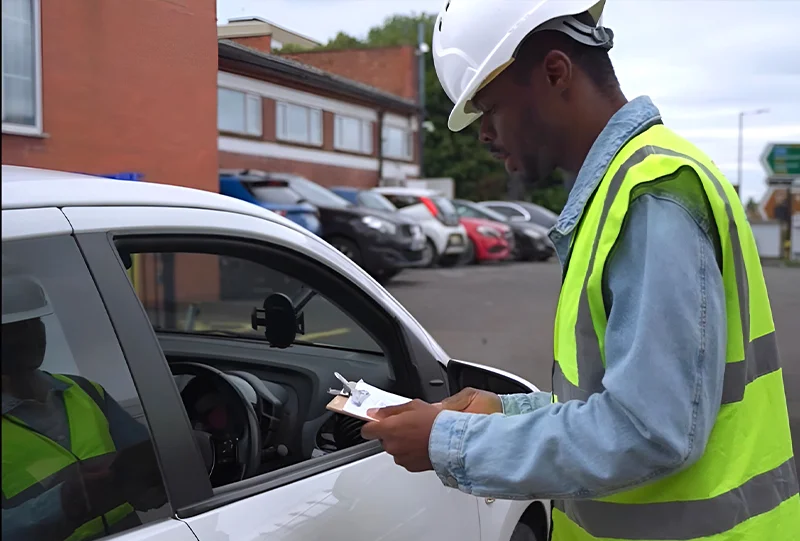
column 468, row 212
column 217, row 294
column 375, row 200
column 279, row 195
column 317, row 195
column 78, row 460
column 507, row 211
column 401, row 201
column 542, row 216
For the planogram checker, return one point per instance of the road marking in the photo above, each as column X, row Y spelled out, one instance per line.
column 325, row 334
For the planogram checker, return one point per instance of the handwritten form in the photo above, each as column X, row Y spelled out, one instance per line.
column 378, row 398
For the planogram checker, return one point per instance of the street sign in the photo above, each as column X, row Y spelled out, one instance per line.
column 782, row 159
column 774, row 205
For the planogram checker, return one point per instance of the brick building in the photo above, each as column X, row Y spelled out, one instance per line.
column 110, row 87
column 278, row 114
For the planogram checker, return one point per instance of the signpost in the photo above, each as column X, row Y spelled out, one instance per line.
column 782, row 159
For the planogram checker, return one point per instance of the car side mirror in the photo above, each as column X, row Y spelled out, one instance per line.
column 463, row 374
column 279, row 319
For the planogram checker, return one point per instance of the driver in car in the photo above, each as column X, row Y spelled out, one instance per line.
column 75, row 465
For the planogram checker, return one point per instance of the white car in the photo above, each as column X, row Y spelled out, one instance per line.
column 212, row 329
column 447, row 238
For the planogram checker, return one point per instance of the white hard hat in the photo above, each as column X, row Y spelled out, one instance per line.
column 474, row 40
column 23, row 296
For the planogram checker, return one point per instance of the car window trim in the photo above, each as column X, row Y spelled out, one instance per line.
column 169, row 425
column 422, row 376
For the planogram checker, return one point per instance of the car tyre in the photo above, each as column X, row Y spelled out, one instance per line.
column 470, row 255
column 524, row 532
column 429, row 255
column 348, row 248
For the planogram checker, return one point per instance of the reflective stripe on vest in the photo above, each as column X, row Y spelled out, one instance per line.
column 32, row 462
column 745, row 484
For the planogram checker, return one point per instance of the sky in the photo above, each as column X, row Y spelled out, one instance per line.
column 702, row 62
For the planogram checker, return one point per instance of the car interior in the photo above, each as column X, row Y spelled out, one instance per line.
column 253, row 379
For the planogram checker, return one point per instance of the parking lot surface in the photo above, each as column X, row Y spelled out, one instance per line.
column 502, row 316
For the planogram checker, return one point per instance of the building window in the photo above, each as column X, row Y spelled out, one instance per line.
column 22, row 102
column 352, row 134
column 238, row 112
column 276, row 45
column 299, row 124
column 397, row 143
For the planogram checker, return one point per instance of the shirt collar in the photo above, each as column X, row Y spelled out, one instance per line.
column 631, row 120
column 9, row 402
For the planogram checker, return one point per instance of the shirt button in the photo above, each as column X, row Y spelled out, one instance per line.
column 452, row 481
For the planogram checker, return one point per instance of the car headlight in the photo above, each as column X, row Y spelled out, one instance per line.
column 487, row 231
column 379, row 225
column 532, row 233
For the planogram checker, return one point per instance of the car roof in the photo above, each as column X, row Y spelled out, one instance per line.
column 405, row 190
column 26, row 187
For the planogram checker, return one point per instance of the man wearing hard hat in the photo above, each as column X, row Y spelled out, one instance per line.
column 61, row 436
column 668, row 415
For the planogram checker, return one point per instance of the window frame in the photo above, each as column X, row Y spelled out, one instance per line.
column 133, row 325
column 249, row 98
column 82, row 337
column 281, row 128
column 36, row 130
column 365, row 134
column 408, row 145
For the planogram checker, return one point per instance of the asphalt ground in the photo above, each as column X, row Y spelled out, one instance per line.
column 502, row 316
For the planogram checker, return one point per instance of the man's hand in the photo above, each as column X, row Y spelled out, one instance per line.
column 471, row 400
column 404, row 431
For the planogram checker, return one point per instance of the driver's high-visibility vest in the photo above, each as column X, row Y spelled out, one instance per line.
column 744, row 487
column 31, row 459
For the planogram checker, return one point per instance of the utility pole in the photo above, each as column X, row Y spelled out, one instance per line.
column 741, row 143
column 422, row 49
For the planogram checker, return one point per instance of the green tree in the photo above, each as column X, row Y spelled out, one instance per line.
column 459, row 155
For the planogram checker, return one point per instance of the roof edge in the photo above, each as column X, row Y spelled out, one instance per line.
column 310, row 75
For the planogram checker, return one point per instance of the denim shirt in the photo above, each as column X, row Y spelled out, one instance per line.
column 665, row 357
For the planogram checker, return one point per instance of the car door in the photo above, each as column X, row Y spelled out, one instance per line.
column 353, row 494
column 76, row 348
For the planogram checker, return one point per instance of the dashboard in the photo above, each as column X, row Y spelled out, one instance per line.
column 287, row 388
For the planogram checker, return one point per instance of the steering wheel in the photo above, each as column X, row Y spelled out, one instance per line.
column 245, row 448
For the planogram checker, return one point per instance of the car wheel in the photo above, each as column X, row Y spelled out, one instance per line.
column 429, row 254
column 524, row 532
column 348, row 248
column 469, row 257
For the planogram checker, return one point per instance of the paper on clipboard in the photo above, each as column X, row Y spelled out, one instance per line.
column 378, row 398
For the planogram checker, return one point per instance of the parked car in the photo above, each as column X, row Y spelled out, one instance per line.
column 487, row 240
column 383, row 243
column 446, row 237
column 246, row 185
column 522, row 211
column 227, row 400
column 365, row 198
column 531, row 242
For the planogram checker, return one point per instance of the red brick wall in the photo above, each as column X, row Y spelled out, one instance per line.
column 326, row 175
column 393, row 69
column 262, row 43
column 127, row 86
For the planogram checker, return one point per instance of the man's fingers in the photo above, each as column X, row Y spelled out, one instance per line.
column 459, row 401
column 389, row 411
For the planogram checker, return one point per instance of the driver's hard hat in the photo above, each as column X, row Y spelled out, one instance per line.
column 23, row 296
column 475, row 40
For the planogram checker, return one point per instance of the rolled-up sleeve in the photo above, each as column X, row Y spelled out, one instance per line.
column 665, row 354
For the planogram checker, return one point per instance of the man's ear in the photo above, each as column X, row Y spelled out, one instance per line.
column 558, row 70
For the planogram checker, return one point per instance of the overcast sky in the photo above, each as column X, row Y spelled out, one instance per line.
column 701, row 61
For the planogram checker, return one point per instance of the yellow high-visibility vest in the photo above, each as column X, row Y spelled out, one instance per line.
column 30, row 458
column 744, row 487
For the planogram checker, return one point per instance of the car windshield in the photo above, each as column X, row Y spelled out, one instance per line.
column 376, row 201
column 279, row 195
column 317, row 195
column 445, row 206
column 485, row 212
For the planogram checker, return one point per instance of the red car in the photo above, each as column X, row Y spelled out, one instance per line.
column 488, row 240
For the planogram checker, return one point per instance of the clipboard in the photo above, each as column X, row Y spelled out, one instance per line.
column 337, row 406
column 355, row 399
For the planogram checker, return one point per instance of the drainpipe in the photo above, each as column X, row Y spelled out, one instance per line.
column 381, row 114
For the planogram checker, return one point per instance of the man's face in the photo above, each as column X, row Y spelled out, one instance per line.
column 524, row 120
